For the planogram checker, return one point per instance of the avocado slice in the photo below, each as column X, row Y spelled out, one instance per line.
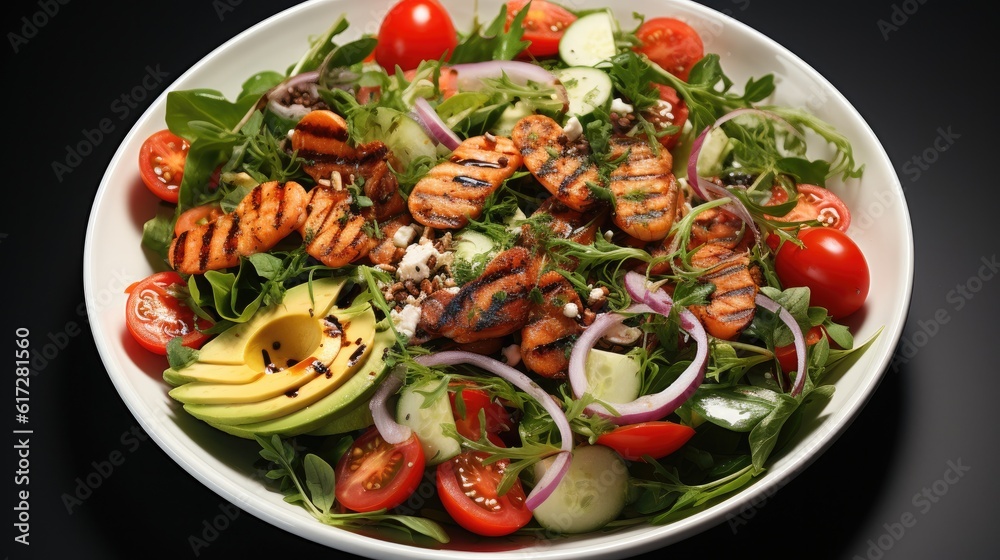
column 334, row 408
column 235, row 356
column 287, row 338
column 230, row 347
column 358, row 418
column 359, row 330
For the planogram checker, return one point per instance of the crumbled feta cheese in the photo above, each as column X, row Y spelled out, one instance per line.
column 453, row 290
column 571, row 310
column 664, row 109
column 573, row 129
column 620, row 107
column 414, row 265
column 404, row 236
column 511, row 355
column 291, row 132
column 623, row 334
column 595, row 296
column 609, row 235
column 406, row 320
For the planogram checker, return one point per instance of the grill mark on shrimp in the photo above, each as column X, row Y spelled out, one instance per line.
column 232, row 238
column 206, row 246
column 742, row 291
column 467, row 181
column 179, row 246
column 280, row 212
column 312, row 129
column 726, row 271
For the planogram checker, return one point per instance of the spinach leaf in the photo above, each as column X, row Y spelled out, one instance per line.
column 180, row 356
column 319, row 48
column 492, row 42
column 764, row 435
column 740, row 408
column 158, row 232
column 204, row 105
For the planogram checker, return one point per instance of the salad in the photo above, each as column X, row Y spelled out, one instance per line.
column 557, row 269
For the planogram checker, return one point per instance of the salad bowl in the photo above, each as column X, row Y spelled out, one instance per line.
column 113, row 257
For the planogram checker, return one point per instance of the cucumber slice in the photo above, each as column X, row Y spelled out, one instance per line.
column 587, row 89
column 428, row 421
column 611, row 377
column 589, row 40
column 591, row 494
column 403, row 135
column 470, row 244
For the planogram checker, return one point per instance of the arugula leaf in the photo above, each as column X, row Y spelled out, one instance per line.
column 492, row 42
column 349, row 54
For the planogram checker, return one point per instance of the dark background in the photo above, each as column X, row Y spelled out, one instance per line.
column 934, row 406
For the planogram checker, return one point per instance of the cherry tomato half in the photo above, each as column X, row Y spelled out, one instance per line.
column 656, row 439
column 154, row 316
column 466, row 410
column 678, row 115
column 374, row 474
column 831, row 265
column 414, row 31
column 787, row 356
column 468, row 490
column 814, row 203
column 672, row 44
column 161, row 163
column 194, row 217
column 544, row 25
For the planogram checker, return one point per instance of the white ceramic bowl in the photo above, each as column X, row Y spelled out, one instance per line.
column 113, row 259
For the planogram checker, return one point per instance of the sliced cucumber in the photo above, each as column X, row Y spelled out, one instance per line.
column 401, row 134
column 428, row 419
column 589, row 40
column 611, row 377
column 587, row 88
column 714, row 152
column 591, row 494
column 470, row 244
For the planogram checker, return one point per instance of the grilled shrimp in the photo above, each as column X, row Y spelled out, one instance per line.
column 563, row 168
column 264, row 217
column 493, row 305
column 644, row 188
column 550, row 332
column 456, row 190
column 333, row 233
column 731, row 306
column 321, row 138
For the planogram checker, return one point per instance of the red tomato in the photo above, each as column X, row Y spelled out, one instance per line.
column 161, row 163
column 468, row 490
column 196, row 216
column 656, row 439
column 544, row 25
column 831, row 265
column 474, row 400
column 787, row 356
column 679, row 112
column 374, row 474
column 672, row 44
column 814, row 203
column 154, row 316
column 414, row 31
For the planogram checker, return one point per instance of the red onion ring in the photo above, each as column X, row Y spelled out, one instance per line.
column 547, row 484
column 469, row 77
column 800, row 339
column 390, row 430
column 433, row 125
column 647, row 407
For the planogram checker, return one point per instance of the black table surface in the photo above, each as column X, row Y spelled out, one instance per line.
column 913, row 477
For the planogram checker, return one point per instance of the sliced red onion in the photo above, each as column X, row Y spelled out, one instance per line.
column 647, row 407
column 433, row 125
column 469, row 77
column 543, row 489
column 385, row 421
column 800, row 339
